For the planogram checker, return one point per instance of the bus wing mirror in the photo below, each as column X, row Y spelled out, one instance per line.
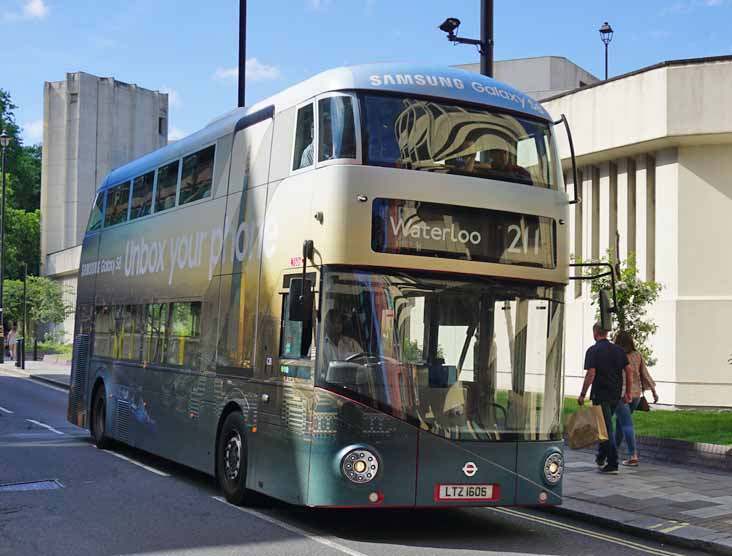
column 606, row 310
column 300, row 300
column 577, row 198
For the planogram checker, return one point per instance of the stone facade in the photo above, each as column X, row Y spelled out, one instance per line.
column 90, row 126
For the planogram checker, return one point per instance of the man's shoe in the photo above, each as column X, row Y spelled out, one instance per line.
column 600, row 461
column 609, row 470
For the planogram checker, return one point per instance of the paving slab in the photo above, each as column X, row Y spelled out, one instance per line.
column 678, row 504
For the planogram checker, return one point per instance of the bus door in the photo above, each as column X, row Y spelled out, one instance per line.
column 283, row 437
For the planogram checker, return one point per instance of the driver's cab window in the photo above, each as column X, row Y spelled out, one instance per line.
column 336, row 128
column 304, row 138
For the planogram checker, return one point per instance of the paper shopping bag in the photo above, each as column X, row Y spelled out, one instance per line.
column 586, row 427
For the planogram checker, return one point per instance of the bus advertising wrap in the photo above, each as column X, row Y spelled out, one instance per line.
column 405, row 227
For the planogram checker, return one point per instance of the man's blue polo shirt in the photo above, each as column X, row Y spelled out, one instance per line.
column 609, row 361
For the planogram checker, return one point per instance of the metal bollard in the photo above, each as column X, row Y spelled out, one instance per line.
column 20, row 353
column 17, row 350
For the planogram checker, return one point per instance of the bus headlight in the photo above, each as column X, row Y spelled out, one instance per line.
column 360, row 466
column 553, row 467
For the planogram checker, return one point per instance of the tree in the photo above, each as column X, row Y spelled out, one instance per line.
column 634, row 296
column 23, row 163
column 22, row 242
column 44, row 299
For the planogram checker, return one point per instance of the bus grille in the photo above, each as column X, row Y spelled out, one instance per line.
column 79, row 368
column 123, row 421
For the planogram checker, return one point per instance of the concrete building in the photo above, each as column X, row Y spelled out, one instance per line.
column 90, row 126
column 539, row 77
column 654, row 152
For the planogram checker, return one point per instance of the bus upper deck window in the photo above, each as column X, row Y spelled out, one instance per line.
column 197, row 175
column 96, row 217
column 167, row 186
column 142, row 193
column 304, row 135
column 118, row 199
column 336, row 128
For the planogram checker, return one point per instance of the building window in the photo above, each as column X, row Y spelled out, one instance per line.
column 650, row 218
column 595, row 215
column 336, row 128
column 118, row 200
column 162, row 126
column 142, row 195
column 96, row 217
column 304, row 136
column 578, row 227
column 167, row 186
column 631, row 216
column 197, row 175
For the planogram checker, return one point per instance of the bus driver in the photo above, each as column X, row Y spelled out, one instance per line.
column 337, row 347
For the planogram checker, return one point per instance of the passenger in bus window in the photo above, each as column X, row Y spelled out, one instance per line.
column 501, row 161
column 307, row 154
column 337, row 346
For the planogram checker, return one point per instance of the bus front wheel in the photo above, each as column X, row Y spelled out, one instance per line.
column 231, row 459
column 99, row 419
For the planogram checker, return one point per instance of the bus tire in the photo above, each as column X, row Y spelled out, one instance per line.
column 231, row 459
column 99, row 419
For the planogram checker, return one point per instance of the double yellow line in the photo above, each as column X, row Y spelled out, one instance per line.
column 585, row 532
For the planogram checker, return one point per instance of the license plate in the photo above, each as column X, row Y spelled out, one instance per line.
column 465, row 492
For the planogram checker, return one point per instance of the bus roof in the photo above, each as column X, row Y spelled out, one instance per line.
column 409, row 79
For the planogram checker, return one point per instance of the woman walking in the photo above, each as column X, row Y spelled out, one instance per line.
column 641, row 380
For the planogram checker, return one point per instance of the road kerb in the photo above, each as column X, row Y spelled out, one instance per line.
column 654, row 531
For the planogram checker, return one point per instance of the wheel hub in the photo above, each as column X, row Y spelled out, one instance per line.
column 232, row 456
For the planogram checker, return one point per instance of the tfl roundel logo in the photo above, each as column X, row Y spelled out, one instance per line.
column 470, row 469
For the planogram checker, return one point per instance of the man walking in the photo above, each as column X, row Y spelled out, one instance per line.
column 605, row 363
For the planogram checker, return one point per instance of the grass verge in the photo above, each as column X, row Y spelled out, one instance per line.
column 697, row 425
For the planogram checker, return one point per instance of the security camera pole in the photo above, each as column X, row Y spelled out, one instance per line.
column 242, row 49
column 486, row 37
column 485, row 44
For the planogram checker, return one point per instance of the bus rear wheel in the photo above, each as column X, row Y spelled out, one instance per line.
column 99, row 419
column 231, row 459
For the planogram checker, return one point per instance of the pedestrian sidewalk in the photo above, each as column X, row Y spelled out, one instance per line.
column 52, row 373
column 686, row 505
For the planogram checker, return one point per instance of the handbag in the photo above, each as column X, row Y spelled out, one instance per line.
column 643, row 404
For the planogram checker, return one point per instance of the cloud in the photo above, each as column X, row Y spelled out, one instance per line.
column 33, row 132
column 32, row 9
column 174, row 100
column 255, row 70
column 174, row 133
column 35, row 9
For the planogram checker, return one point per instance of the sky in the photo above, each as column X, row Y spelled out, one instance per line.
column 188, row 48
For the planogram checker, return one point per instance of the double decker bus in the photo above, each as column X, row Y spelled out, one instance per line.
column 347, row 295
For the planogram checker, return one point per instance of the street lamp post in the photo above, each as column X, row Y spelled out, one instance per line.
column 606, row 35
column 4, row 142
column 242, row 50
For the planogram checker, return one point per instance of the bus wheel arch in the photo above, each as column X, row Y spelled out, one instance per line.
column 231, row 459
column 97, row 412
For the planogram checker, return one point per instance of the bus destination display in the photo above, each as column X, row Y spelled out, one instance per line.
column 406, row 227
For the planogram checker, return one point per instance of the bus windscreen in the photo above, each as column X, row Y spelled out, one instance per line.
column 466, row 360
column 414, row 134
